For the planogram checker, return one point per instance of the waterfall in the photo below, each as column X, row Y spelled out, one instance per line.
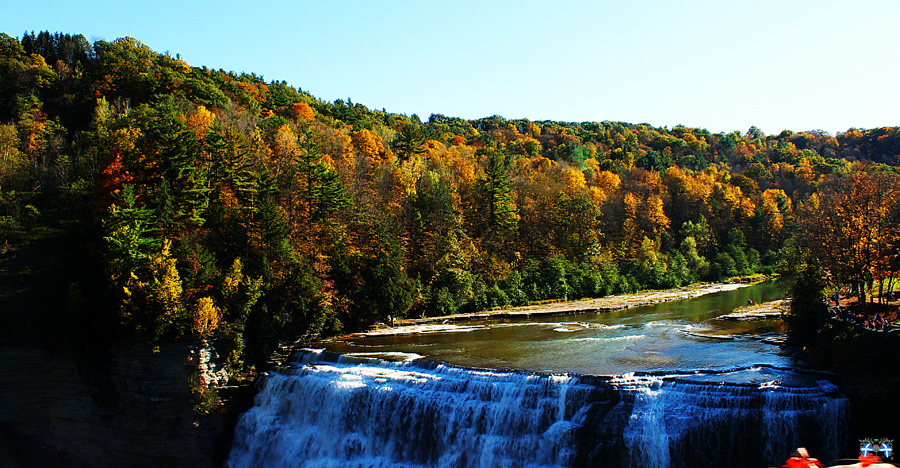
column 348, row 411
column 682, row 423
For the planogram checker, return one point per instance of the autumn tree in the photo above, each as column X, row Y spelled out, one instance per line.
column 432, row 218
column 849, row 230
column 578, row 220
column 369, row 146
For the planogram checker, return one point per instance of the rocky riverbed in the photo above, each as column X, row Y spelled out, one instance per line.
column 767, row 310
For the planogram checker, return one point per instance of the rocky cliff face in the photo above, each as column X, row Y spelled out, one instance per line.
column 128, row 406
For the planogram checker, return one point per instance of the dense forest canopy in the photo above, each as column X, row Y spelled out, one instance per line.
column 190, row 200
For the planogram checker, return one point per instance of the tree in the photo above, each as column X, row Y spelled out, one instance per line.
column 239, row 293
column 319, row 185
column 641, row 218
column 13, row 164
column 736, row 249
column 12, row 55
column 771, row 217
column 143, row 270
column 128, row 228
column 702, row 235
column 806, row 313
column 206, row 316
column 369, row 146
column 849, row 230
column 496, row 198
column 410, row 140
column 432, row 215
column 576, row 217
column 385, row 290
column 696, row 263
column 178, row 168
column 122, row 69
column 302, row 110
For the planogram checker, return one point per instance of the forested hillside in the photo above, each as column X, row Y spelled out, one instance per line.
column 144, row 197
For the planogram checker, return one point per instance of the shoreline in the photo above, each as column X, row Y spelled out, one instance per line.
column 599, row 305
column 765, row 310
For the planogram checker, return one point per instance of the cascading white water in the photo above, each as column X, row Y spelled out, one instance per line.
column 399, row 415
column 339, row 411
column 697, row 423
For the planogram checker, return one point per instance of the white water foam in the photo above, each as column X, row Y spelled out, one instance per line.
column 628, row 338
column 424, row 329
column 394, row 356
column 569, row 327
column 396, row 415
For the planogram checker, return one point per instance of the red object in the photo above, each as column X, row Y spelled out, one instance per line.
column 800, row 462
column 866, row 461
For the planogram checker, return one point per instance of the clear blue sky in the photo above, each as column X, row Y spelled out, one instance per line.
column 722, row 65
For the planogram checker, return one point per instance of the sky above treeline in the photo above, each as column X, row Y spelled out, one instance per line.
column 720, row 65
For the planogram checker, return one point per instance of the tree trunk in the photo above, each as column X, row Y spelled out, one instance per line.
column 890, row 284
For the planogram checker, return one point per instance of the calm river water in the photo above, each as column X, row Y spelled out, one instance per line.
column 668, row 337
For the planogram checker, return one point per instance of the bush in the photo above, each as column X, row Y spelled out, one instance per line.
column 440, row 303
column 514, row 288
column 722, row 267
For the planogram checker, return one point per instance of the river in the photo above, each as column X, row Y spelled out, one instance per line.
column 662, row 385
column 668, row 336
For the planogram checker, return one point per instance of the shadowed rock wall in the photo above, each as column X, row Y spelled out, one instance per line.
column 129, row 406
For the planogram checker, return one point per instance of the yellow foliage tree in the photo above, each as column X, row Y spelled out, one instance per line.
column 166, row 288
column 730, row 203
column 285, row 142
column 644, row 218
column 206, row 316
column 775, row 204
column 572, row 179
column 152, row 301
column 200, row 121
column 368, row 145
column 606, row 180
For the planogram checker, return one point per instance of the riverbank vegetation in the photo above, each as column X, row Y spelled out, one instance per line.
column 144, row 197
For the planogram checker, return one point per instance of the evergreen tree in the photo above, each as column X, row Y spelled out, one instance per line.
column 129, row 235
column 807, row 312
column 319, row 185
column 497, row 200
column 410, row 140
